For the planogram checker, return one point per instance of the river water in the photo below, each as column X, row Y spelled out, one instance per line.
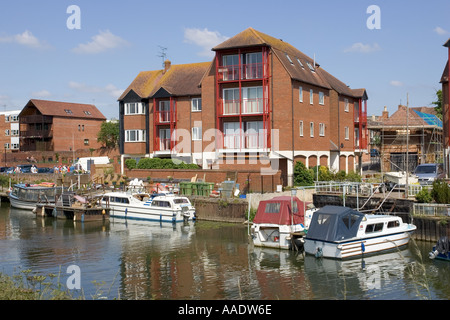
column 123, row 259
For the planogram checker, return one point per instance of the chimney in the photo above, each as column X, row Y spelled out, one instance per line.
column 167, row 64
column 385, row 113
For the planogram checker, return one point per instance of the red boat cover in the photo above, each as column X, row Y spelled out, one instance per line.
column 278, row 211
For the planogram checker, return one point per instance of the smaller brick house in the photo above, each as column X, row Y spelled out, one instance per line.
column 59, row 126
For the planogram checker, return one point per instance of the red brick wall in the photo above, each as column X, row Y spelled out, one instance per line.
column 69, row 133
column 249, row 180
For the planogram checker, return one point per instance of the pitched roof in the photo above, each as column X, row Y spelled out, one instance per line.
column 178, row 80
column 296, row 63
column 64, row 109
column 445, row 76
column 416, row 118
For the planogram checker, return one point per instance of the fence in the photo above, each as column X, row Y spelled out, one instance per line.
column 431, row 209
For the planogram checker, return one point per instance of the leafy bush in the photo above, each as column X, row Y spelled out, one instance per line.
column 302, row 176
column 424, row 196
column 440, row 192
column 158, row 163
column 130, row 163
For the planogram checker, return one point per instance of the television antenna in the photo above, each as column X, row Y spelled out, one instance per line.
column 163, row 54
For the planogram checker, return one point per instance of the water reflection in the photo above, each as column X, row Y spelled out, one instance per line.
column 205, row 260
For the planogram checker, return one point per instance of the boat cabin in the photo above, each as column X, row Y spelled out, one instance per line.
column 278, row 211
column 334, row 223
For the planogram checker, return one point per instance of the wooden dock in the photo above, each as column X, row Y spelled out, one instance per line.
column 74, row 213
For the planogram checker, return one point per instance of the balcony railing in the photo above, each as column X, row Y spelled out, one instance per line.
column 249, row 71
column 164, row 117
column 249, row 106
column 36, row 119
column 36, row 134
column 247, row 140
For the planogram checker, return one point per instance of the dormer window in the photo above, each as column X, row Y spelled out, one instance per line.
column 88, row 113
column 68, row 111
column 300, row 63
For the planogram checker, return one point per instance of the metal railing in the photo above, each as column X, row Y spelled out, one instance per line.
column 431, row 209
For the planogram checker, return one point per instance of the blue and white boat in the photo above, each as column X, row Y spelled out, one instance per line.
column 163, row 208
column 341, row 232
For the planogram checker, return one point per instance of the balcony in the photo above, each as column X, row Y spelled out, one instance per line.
column 164, row 117
column 249, row 107
column 245, row 141
column 251, row 71
column 36, row 119
column 36, row 134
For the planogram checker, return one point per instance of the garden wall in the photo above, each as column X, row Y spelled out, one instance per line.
column 248, row 180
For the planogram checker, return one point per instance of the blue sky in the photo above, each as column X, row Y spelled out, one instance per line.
column 42, row 58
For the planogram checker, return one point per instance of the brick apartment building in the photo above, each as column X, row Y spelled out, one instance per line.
column 446, row 109
column 59, row 126
column 260, row 103
column 9, row 130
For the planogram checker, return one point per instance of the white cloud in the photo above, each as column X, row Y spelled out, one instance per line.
column 109, row 89
column 396, row 83
column 103, row 41
column 41, row 94
column 440, row 31
column 363, row 48
column 26, row 39
column 203, row 38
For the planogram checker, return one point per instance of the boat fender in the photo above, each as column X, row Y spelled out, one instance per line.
column 103, row 211
column 319, row 252
column 54, row 213
column 433, row 254
column 363, row 247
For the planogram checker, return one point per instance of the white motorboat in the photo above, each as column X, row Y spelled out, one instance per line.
column 400, row 177
column 341, row 232
column 276, row 225
column 164, row 208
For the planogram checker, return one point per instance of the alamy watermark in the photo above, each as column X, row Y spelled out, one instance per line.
column 374, row 20
column 74, row 20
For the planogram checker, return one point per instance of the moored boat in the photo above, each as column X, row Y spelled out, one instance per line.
column 341, row 232
column 26, row 196
column 74, row 207
column 441, row 250
column 164, row 208
column 281, row 223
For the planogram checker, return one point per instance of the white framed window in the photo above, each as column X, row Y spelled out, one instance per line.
column 197, row 133
column 311, row 129
column 196, row 104
column 134, row 108
column 14, row 132
column 321, row 98
column 135, row 135
column 321, row 129
column 311, row 96
column 347, row 134
column 14, row 146
column 289, row 58
column 300, row 63
column 300, row 94
column 6, row 145
column 7, row 132
column 346, row 109
column 300, row 128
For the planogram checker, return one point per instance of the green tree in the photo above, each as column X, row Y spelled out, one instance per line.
column 109, row 134
column 302, row 176
column 438, row 104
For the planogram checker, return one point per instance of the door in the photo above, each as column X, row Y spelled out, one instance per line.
column 232, row 135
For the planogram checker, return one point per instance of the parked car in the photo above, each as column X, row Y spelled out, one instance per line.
column 428, row 172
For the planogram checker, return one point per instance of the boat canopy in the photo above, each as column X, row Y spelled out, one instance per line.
column 334, row 223
column 278, row 211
